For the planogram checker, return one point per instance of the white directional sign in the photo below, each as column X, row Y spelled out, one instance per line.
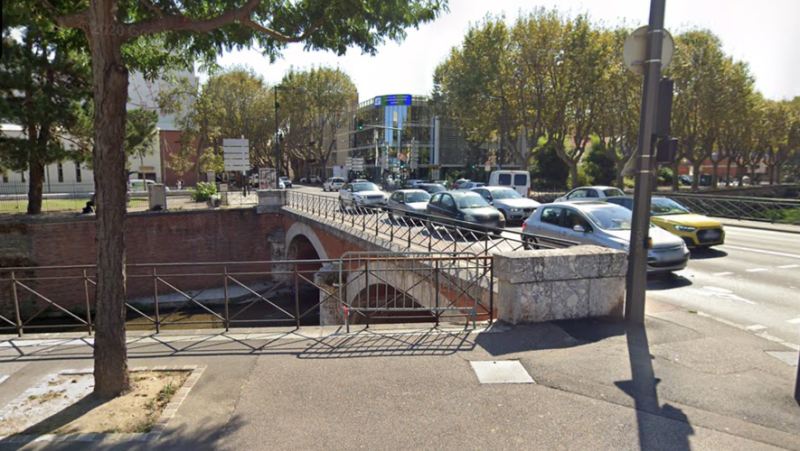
column 237, row 154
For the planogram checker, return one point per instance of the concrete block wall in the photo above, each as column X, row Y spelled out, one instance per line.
column 547, row 285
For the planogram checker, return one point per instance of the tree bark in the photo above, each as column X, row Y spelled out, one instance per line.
column 675, row 175
column 36, row 169
column 714, row 177
column 696, row 175
column 573, row 174
column 728, row 173
column 110, row 77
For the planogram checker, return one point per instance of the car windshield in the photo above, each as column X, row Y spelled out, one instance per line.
column 433, row 188
column 362, row 186
column 417, row 197
column 506, row 194
column 617, row 218
column 612, row 192
column 661, row 206
column 472, row 200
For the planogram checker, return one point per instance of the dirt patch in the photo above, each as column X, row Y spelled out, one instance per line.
column 135, row 412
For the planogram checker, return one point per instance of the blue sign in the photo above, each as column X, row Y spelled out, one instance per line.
column 393, row 100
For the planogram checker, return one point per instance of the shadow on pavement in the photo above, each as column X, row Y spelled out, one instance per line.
column 668, row 281
column 706, row 254
column 643, row 389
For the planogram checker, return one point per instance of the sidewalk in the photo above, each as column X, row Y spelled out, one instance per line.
column 774, row 227
column 685, row 382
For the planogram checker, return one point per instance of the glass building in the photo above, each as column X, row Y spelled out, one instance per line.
column 390, row 131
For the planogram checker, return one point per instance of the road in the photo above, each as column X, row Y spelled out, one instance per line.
column 753, row 280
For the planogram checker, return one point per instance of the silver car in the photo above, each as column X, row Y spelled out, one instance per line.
column 512, row 204
column 408, row 202
column 591, row 193
column 361, row 194
column 608, row 225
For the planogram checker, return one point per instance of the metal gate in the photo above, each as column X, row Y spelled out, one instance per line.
column 414, row 287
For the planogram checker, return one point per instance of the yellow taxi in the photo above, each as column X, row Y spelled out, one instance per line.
column 697, row 231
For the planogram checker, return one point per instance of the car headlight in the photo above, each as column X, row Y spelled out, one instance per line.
column 470, row 218
column 515, row 210
column 682, row 228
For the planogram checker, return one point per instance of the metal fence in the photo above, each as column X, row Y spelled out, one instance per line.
column 734, row 207
column 419, row 231
column 369, row 287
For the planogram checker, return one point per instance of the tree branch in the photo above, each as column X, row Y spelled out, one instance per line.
column 152, row 7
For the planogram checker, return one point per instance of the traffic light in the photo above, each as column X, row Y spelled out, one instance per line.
column 360, row 124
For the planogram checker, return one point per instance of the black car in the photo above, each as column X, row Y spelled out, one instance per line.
column 431, row 188
column 464, row 208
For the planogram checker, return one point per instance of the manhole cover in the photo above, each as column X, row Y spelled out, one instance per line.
column 788, row 357
column 501, row 372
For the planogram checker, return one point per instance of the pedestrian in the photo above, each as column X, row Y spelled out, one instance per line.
column 180, row 184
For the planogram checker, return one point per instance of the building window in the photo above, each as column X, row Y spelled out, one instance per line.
column 22, row 174
column 78, row 177
column 60, row 173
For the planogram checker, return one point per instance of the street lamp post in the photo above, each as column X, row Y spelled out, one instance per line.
column 277, row 143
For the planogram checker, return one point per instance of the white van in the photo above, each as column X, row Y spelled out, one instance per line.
column 519, row 180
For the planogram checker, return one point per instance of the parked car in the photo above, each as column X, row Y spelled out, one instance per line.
column 685, row 180
column 609, row 225
column 510, row 202
column 591, row 193
column 431, row 188
column 410, row 184
column 139, row 185
column 457, row 184
column 311, row 179
column 408, row 202
column 697, row 231
column 361, row 194
column 520, row 181
column 333, row 184
column 469, row 185
column 452, row 207
column 287, row 182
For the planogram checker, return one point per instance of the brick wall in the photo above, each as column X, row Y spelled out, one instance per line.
column 168, row 237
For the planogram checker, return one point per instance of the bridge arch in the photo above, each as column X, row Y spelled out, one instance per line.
column 298, row 238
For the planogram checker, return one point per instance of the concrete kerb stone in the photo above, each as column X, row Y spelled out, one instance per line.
column 161, row 424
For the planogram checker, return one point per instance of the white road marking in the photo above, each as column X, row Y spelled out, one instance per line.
column 724, row 294
column 794, row 321
column 755, row 327
column 3, row 379
column 757, row 270
column 724, row 273
column 741, row 327
column 749, row 249
column 789, row 266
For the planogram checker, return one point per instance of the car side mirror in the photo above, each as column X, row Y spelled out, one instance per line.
column 579, row 228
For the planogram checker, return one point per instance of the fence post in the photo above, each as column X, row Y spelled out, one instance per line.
column 296, row 298
column 155, row 297
column 363, row 222
column 491, row 290
column 436, row 283
column 366, row 276
column 225, row 293
column 88, row 305
column 16, row 303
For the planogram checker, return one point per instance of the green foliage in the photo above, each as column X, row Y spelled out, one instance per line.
column 204, row 191
column 210, row 161
column 548, row 170
column 141, row 133
column 598, row 167
column 665, row 176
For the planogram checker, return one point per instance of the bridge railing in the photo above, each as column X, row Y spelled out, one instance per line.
column 735, row 207
column 248, row 294
column 419, row 231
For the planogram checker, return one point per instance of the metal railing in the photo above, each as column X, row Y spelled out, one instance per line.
column 370, row 287
column 418, row 231
column 734, row 207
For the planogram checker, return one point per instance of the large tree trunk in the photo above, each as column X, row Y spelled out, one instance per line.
column 696, row 175
column 728, row 173
column 36, row 169
column 573, row 174
column 110, row 77
column 675, row 175
column 714, row 177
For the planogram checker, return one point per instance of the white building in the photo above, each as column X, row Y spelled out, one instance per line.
column 69, row 176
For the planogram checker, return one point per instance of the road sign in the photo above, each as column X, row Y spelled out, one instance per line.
column 634, row 51
column 236, row 153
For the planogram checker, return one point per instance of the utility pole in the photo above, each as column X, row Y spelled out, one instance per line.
column 636, row 282
column 277, row 145
column 501, row 153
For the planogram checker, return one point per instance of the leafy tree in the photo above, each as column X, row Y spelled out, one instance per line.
column 311, row 115
column 548, row 170
column 151, row 34
column 43, row 80
column 598, row 167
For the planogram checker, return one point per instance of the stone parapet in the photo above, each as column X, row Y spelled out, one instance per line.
column 270, row 200
column 547, row 285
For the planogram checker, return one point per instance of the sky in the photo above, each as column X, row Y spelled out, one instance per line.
column 764, row 33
